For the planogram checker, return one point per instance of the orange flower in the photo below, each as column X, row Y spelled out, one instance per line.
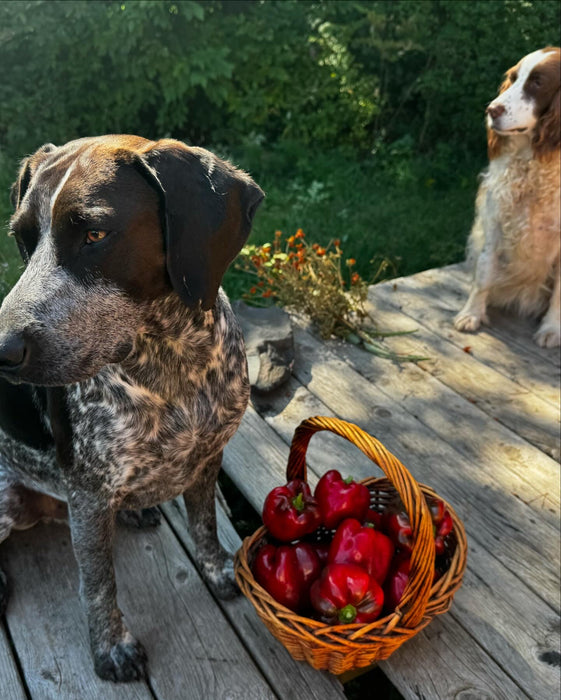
column 301, row 254
column 315, row 246
column 351, row 262
column 267, row 248
column 336, row 242
column 261, row 283
column 355, row 277
column 321, row 251
column 278, row 234
column 299, row 246
column 299, row 233
column 291, row 241
column 253, row 290
column 256, row 260
column 267, row 293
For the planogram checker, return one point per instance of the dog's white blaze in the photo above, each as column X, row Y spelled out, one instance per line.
column 60, row 185
column 519, row 111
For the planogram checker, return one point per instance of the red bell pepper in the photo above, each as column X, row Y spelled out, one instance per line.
column 340, row 498
column 345, row 593
column 398, row 528
column 290, row 511
column 437, row 509
column 374, row 517
column 397, row 580
column 442, row 530
column 363, row 546
column 287, row 572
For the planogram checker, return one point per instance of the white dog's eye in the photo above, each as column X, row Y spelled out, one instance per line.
column 94, row 235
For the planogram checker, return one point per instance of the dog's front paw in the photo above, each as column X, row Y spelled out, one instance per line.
column 548, row 335
column 220, row 577
column 124, row 662
column 469, row 321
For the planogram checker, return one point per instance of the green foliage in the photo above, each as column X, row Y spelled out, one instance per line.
column 363, row 73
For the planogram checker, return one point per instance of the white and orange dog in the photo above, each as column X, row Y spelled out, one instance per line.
column 514, row 244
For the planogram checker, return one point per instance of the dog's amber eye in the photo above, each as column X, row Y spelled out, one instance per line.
column 94, row 235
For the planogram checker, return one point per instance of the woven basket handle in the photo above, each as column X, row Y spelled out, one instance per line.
column 417, row 591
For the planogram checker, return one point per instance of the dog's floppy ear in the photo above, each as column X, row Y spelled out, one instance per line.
column 547, row 137
column 208, row 208
column 27, row 167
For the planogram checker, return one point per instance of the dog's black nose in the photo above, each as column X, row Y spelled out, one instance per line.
column 12, row 350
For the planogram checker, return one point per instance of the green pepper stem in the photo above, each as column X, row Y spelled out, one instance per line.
column 347, row 614
column 298, row 502
column 348, row 480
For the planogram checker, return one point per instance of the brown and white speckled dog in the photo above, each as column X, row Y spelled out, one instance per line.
column 122, row 368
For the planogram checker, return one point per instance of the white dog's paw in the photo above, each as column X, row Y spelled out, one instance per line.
column 468, row 321
column 548, row 335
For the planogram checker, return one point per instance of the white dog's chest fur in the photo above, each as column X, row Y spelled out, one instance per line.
column 518, row 203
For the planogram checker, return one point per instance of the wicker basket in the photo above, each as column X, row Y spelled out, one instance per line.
column 341, row 648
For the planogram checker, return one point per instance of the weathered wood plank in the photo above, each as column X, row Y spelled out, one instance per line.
column 430, row 297
column 493, row 605
column 462, row 424
column 481, row 492
column 46, row 622
column 534, row 419
column 11, row 687
column 424, row 667
column 289, row 678
column 505, row 324
column 189, row 642
column 443, row 663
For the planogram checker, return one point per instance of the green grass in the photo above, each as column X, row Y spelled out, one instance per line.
column 415, row 211
column 410, row 210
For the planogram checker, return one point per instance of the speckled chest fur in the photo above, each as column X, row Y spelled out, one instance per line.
column 149, row 424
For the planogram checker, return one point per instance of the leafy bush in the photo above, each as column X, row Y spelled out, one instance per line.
column 363, row 74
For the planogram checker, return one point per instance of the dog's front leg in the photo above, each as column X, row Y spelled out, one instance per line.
column 549, row 332
column 474, row 312
column 117, row 655
column 214, row 562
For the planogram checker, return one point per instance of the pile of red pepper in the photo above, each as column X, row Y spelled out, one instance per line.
column 330, row 556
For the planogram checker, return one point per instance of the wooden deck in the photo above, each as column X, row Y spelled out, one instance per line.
column 479, row 422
